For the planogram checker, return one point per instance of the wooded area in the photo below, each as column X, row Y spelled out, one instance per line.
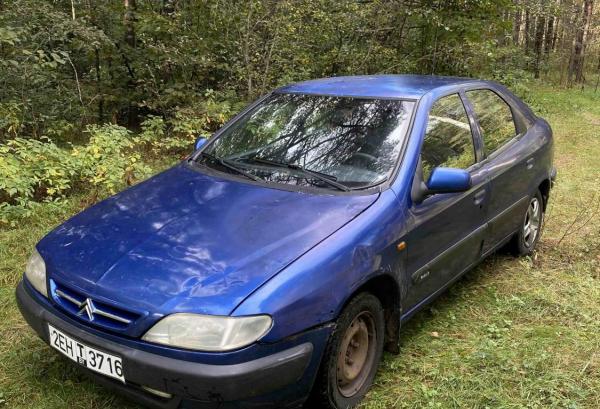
column 111, row 76
column 73, row 62
column 99, row 94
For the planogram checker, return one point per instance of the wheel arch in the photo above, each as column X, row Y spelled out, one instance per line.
column 544, row 188
column 386, row 289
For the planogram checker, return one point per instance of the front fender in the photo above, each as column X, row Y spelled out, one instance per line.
column 314, row 289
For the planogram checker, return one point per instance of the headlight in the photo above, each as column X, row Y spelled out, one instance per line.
column 36, row 272
column 208, row 332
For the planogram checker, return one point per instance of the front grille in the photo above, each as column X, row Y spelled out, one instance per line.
column 90, row 309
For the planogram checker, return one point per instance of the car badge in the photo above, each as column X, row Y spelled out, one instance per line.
column 87, row 307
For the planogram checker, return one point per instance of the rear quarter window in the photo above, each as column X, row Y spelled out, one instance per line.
column 495, row 118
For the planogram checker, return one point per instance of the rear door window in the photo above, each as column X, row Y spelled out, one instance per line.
column 495, row 118
column 448, row 139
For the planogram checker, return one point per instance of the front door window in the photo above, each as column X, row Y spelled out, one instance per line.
column 448, row 140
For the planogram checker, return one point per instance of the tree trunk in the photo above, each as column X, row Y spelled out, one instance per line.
column 549, row 36
column 555, row 37
column 97, row 65
column 98, row 86
column 128, row 20
column 558, row 25
column 246, row 53
column 576, row 68
column 539, row 41
column 598, row 78
column 517, row 23
column 587, row 16
column 527, row 31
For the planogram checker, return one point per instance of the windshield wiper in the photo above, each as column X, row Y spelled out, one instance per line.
column 323, row 177
column 227, row 164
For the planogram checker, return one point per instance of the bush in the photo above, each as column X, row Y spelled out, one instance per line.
column 177, row 134
column 48, row 170
column 30, row 170
column 10, row 122
column 33, row 171
column 110, row 159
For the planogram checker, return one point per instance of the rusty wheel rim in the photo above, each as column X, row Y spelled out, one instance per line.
column 357, row 353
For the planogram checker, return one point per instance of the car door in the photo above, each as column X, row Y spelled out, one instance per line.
column 508, row 170
column 447, row 230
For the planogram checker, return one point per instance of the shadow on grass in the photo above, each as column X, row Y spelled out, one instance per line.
column 454, row 295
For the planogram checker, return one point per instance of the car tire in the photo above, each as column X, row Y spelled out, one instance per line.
column 524, row 241
column 352, row 356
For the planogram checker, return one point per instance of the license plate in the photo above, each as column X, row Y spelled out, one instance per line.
column 91, row 358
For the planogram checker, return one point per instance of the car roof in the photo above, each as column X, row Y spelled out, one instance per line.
column 376, row 86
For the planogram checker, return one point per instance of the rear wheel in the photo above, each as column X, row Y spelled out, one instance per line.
column 352, row 356
column 528, row 235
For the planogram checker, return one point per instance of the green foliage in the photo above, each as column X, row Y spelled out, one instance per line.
column 29, row 170
column 177, row 134
column 110, row 159
column 41, row 49
column 10, row 118
column 84, row 70
column 38, row 170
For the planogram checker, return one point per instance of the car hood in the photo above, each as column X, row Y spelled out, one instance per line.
column 185, row 241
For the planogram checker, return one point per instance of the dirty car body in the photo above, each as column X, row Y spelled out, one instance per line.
column 266, row 240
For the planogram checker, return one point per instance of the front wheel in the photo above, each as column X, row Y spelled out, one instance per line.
column 529, row 234
column 352, row 356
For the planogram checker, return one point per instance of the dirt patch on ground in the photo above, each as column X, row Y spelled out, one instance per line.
column 594, row 119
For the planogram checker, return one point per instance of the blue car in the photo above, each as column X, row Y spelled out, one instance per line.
column 274, row 266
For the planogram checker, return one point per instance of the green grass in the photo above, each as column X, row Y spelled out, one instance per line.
column 514, row 333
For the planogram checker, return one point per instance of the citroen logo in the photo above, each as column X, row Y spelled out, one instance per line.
column 88, row 308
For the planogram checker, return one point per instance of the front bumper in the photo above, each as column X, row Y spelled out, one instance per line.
column 282, row 379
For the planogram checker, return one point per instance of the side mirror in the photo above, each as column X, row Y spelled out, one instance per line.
column 448, row 180
column 200, row 142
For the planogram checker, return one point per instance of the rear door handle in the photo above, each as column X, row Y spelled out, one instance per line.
column 479, row 197
column 530, row 163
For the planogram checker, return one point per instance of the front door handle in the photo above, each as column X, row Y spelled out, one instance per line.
column 530, row 163
column 479, row 197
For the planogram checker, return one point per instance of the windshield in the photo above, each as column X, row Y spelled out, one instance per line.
column 313, row 140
